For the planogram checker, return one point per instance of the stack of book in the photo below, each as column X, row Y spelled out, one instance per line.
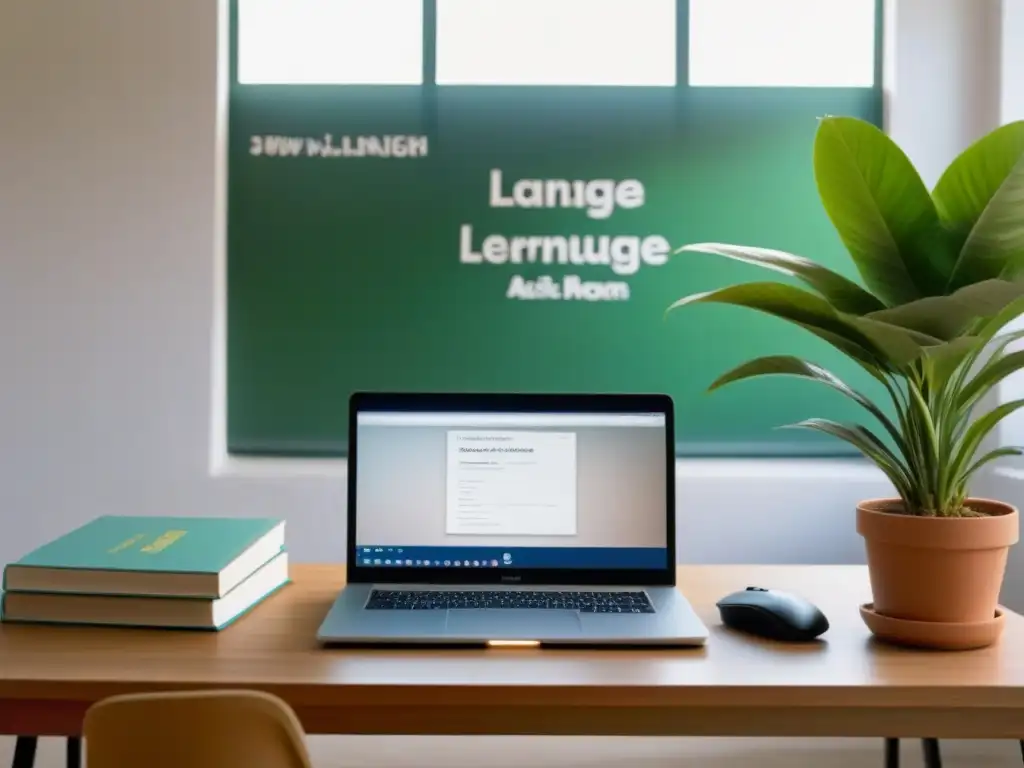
column 169, row 572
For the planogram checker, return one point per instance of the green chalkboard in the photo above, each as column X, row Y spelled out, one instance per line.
column 350, row 272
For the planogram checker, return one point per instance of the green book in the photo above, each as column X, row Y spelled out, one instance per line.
column 203, row 557
column 147, row 612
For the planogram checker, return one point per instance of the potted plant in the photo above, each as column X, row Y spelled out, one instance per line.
column 942, row 276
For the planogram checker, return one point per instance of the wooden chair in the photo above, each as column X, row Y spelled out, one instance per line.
column 200, row 729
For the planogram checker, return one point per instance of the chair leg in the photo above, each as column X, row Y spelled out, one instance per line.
column 892, row 753
column 74, row 752
column 1022, row 750
column 932, row 756
column 24, row 752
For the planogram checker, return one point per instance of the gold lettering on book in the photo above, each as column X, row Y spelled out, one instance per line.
column 126, row 543
column 163, row 541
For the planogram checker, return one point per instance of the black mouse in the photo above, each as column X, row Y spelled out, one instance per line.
column 771, row 614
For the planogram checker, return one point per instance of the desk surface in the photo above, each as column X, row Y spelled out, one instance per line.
column 848, row 684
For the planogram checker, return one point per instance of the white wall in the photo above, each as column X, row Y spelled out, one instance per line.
column 942, row 78
column 1012, row 53
column 107, row 285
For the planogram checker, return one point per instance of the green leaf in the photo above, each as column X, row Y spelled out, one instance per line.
column 991, row 326
column 868, row 360
column 930, row 474
column 994, row 371
column 979, row 429
column 989, row 329
column 863, row 356
column 1003, row 340
column 991, row 456
column 946, row 317
column 899, row 346
column 881, row 209
column 843, row 294
column 980, row 199
column 947, row 358
column 886, row 343
column 865, row 441
column 779, row 300
column 786, row 365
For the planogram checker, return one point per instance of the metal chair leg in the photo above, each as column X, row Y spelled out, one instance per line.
column 892, row 753
column 1022, row 750
column 74, row 752
column 932, row 756
column 24, row 752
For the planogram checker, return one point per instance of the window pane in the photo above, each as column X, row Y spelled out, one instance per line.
column 827, row 43
column 556, row 42
column 330, row 41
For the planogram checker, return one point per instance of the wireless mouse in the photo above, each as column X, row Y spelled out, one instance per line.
column 774, row 615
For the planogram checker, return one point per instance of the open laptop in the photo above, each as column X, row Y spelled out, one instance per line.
column 511, row 519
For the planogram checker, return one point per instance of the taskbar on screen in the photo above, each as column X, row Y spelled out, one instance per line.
column 391, row 556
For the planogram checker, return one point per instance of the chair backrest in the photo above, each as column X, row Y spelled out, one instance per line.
column 198, row 729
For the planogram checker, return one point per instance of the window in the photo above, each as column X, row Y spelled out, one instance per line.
column 556, row 42
column 327, row 180
column 823, row 43
column 352, row 42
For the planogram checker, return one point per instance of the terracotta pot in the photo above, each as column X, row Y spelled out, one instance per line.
column 947, row 570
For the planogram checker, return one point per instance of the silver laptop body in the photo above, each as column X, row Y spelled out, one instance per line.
column 501, row 518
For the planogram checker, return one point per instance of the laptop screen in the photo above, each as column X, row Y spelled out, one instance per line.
column 511, row 490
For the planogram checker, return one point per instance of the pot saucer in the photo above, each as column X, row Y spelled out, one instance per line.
column 946, row 636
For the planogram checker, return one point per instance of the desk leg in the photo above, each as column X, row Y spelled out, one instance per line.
column 24, row 752
column 892, row 753
column 932, row 756
column 74, row 752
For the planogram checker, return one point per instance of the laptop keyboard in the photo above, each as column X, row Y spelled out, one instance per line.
column 440, row 600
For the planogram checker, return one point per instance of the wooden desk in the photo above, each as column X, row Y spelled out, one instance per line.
column 848, row 685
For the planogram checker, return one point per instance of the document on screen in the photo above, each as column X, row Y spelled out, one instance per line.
column 517, row 483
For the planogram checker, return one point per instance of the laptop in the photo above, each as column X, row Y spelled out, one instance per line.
column 519, row 519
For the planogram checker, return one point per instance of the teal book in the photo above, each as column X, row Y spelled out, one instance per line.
column 200, row 557
column 147, row 612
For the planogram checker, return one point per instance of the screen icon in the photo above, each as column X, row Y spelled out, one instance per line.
column 458, row 563
column 377, row 561
column 447, row 562
column 507, row 558
column 476, row 563
column 407, row 562
column 387, row 562
column 494, row 563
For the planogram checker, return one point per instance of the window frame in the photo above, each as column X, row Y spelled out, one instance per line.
column 682, row 84
column 238, row 94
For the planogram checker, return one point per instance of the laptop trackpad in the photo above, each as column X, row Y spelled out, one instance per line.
column 513, row 624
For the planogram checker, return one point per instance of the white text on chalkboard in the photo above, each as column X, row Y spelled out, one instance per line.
column 329, row 146
column 598, row 199
column 569, row 288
